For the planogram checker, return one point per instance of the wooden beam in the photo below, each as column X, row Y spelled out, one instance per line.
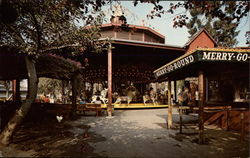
column 14, row 90
column 169, row 105
column 109, row 107
column 201, row 89
column 74, row 94
column 175, row 92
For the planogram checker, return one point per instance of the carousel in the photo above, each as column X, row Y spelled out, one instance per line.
column 127, row 67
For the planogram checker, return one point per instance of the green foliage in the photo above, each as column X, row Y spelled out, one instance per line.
column 223, row 31
column 220, row 18
column 43, row 25
column 247, row 35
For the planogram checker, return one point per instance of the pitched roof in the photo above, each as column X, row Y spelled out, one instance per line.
column 197, row 34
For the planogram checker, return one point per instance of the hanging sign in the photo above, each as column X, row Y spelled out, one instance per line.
column 203, row 56
column 224, row 56
column 176, row 65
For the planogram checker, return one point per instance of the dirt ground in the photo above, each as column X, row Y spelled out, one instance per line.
column 130, row 133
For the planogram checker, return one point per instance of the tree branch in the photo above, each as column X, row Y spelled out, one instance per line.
column 61, row 47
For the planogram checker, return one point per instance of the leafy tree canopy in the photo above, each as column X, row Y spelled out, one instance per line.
column 220, row 18
column 38, row 26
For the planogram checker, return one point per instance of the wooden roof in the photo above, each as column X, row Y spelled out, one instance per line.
column 131, row 60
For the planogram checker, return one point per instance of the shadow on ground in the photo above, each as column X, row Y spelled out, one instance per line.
column 50, row 138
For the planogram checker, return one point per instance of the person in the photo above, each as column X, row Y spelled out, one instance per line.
column 152, row 95
column 82, row 101
column 118, row 99
column 193, row 90
column 131, row 90
column 151, row 92
column 145, row 98
column 183, row 97
column 46, row 99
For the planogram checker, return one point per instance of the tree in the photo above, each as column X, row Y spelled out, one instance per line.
column 223, row 31
column 36, row 27
column 220, row 18
column 247, row 35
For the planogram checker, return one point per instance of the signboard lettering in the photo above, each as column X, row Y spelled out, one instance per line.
column 176, row 65
column 242, row 57
column 232, row 56
column 204, row 56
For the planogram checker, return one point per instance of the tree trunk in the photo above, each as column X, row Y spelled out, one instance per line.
column 16, row 120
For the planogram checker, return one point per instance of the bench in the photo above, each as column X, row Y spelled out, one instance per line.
column 90, row 107
column 58, row 109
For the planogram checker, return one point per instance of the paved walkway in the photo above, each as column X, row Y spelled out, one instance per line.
column 143, row 133
column 130, row 133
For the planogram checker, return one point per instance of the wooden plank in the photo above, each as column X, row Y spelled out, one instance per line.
column 90, row 107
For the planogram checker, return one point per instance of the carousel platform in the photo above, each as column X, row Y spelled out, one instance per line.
column 136, row 106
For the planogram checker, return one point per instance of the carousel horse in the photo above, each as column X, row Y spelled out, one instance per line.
column 102, row 97
column 128, row 98
column 147, row 98
column 123, row 98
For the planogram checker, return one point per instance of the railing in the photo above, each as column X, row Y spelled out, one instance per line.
column 213, row 109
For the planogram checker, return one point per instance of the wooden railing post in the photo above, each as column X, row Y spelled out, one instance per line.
column 242, row 126
column 201, row 89
column 227, row 119
column 14, row 90
column 170, row 121
column 180, row 113
column 74, row 94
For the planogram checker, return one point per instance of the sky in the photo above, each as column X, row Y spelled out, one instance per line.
column 164, row 25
